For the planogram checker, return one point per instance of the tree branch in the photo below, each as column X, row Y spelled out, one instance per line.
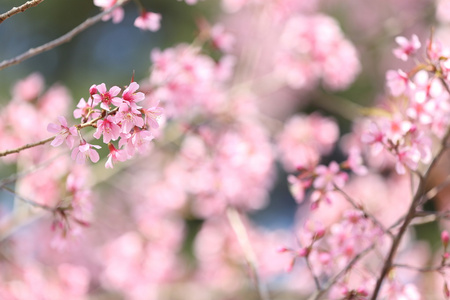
column 16, row 10
column 43, row 206
column 61, row 40
column 420, row 193
column 27, row 146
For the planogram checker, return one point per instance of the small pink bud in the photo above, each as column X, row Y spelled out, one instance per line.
column 93, row 90
column 303, row 252
column 290, row 266
column 344, row 290
column 362, row 291
column 446, row 255
column 282, row 249
column 320, row 233
column 445, row 238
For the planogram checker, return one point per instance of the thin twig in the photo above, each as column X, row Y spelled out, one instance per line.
column 241, row 233
column 435, row 190
column 344, row 271
column 16, row 10
column 61, row 40
column 316, row 279
column 43, row 206
column 27, row 146
column 430, row 216
column 359, row 207
column 423, row 270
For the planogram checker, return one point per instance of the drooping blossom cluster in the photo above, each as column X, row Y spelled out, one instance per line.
column 313, row 48
column 115, row 118
column 32, row 281
column 185, row 79
column 305, row 139
column 416, row 111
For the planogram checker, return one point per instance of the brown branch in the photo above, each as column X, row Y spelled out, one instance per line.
column 316, row 279
column 61, row 40
column 27, row 146
column 16, row 10
column 420, row 193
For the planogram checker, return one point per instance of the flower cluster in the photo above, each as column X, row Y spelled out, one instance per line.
column 115, row 118
column 313, row 47
column 417, row 110
column 185, row 79
column 145, row 21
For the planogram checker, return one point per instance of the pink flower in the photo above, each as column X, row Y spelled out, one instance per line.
column 407, row 157
column 80, row 153
column 407, row 47
column 117, row 14
column 328, row 177
column 355, row 161
column 221, row 39
column 128, row 119
column 64, row 133
column 374, row 136
column 28, row 88
column 130, row 97
column 109, row 129
column 148, row 21
column 85, row 110
column 397, row 82
column 139, row 140
column 114, row 155
column 296, row 188
column 152, row 114
column 106, row 97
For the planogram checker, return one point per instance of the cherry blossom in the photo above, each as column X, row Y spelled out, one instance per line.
column 127, row 118
column 105, row 97
column 130, row 97
column 107, row 128
column 64, row 133
column 329, row 177
column 114, row 156
column 83, row 151
column 406, row 47
column 116, row 15
column 148, row 21
column 221, row 39
column 85, row 110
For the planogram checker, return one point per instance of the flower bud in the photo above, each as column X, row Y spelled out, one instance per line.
column 93, row 90
column 445, row 238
